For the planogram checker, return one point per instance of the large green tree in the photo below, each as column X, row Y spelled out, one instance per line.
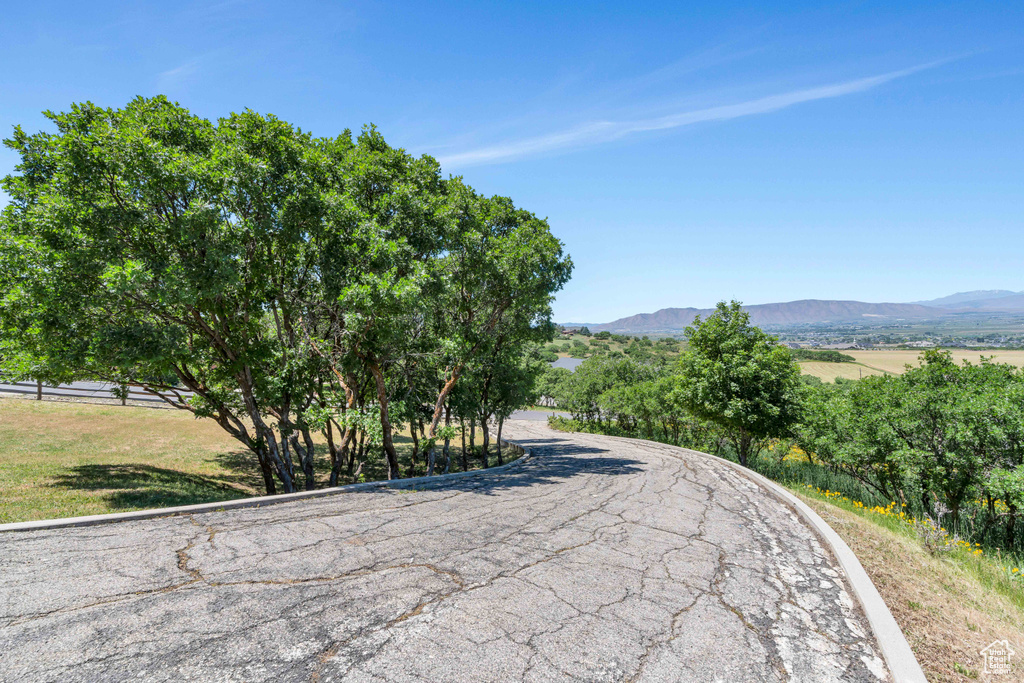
column 583, row 392
column 149, row 244
column 290, row 284
column 737, row 376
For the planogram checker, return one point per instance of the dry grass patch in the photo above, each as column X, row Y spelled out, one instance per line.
column 896, row 360
column 828, row 372
column 947, row 612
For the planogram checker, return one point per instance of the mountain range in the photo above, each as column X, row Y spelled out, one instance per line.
column 826, row 311
column 968, row 298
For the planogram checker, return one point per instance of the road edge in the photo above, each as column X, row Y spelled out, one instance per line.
column 896, row 651
column 524, row 454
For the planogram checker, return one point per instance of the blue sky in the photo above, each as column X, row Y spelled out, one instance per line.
column 685, row 153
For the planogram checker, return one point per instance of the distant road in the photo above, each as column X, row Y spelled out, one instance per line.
column 536, row 415
column 102, row 390
column 83, row 390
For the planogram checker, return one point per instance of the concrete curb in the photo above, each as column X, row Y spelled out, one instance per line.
column 900, row 659
column 239, row 503
column 902, row 663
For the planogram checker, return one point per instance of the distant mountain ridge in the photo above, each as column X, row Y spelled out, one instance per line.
column 790, row 312
column 1006, row 304
column 824, row 311
column 972, row 299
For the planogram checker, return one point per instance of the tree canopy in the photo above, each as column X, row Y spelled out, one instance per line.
column 735, row 375
column 942, row 432
column 292, row 284
column 944, row 440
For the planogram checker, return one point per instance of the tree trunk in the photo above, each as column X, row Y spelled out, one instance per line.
column 268, row 472
column 431, row 454
column 447, row 452
column 744, row 448
column 485, row 454
column 472, row 435
column 501, row 423
column 278, row 458
column 346, row 435
column 308, row 462
column 305, row 459
column 385, row 422
column 462, row 427
column 332, row 449
column 339, row 456
column 1011, row 525
column 415, row 450
column 347, row 449
column 442, row 399
column 357, row 453
column 286, row 453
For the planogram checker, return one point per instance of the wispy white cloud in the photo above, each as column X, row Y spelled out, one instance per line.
column 172, row 78
column 702, row 60
column 604, row 97
column 598, row 132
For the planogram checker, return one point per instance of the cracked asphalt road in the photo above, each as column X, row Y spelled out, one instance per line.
column 599, row 559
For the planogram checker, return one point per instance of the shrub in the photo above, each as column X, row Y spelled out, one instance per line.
column 821, row 355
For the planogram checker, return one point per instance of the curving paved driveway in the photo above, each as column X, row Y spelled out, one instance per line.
column 599, row 559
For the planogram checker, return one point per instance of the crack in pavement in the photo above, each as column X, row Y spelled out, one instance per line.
column 600, row 558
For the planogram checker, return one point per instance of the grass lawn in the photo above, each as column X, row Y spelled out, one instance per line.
column 65, row 459
column 949, row 606
column 545, row 409
column 69, row 459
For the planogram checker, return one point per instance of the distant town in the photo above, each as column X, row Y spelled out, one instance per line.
column 990, row 319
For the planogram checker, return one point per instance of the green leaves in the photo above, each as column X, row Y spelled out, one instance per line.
column 151, row 245
column 939, row 432
column 734, row 374
column 1007, row 485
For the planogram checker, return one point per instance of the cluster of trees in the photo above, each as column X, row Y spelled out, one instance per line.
column 822, row 355
column 733, row 385
column 940, row 437
column 293, row 285
column 945, row 434
column 601, row 344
